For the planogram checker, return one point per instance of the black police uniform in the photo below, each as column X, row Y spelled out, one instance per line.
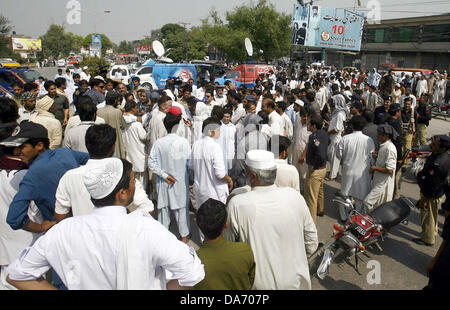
column 316, row 156
column 432, row 179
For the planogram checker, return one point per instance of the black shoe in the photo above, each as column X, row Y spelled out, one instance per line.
column 421, row 242
column 320, row 214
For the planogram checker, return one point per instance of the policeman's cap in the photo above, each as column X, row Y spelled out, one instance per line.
column 444, row 140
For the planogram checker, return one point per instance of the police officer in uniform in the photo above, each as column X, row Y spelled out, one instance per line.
column 382, row 112
column 409, row 120
column 439, row 268
column 432, row 181
column 316, row 159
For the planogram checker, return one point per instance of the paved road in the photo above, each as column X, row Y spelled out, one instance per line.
column 48, row 72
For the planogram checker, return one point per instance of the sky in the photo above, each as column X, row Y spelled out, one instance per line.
column 134, row 19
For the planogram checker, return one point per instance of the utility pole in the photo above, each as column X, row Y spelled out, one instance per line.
column 184, row 24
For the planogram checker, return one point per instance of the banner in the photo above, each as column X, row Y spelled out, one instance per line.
column 96, row 41
column 327, row 27
column 26, row 45
column 144, row 49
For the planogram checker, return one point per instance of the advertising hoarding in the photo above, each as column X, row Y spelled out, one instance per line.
column 26, row 45
column 321, row 27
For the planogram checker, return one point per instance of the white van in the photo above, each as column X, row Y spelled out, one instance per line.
column 146, row 77
column 125, row 73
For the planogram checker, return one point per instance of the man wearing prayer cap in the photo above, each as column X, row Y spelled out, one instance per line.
column 277, row 224
column 111, row 250
column 46, row 117
column 433, row 181
column 383, row 171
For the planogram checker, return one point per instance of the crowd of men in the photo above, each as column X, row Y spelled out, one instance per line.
column 94, row 170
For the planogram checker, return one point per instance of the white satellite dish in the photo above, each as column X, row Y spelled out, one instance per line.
column 158, row 48
column 249, row 47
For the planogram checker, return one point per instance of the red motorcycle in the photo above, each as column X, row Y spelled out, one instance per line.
column 360, row 231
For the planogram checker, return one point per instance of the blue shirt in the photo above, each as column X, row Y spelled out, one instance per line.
column 40, row 184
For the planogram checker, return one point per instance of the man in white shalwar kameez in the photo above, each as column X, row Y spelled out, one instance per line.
column 301, row 137
column 227, row 139
column 276, row 222
column 337, row 122
column 210, row 176
column 134, row 138
column 287, row 175
column 110, row 249
column 168, row 161
column 384, row 170
column 355, row 152
column 422, row 86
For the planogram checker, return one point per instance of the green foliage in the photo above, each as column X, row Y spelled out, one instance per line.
column 5, row 29
column 93, row 64
column 125, row 47
column 269, row 31
column 55, row 43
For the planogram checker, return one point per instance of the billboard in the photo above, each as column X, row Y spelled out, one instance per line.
column 144, row 49
column 321, row 27
column 96, row 41
column 26, row 45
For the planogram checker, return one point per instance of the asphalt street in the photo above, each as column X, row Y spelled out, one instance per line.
column 402, row 263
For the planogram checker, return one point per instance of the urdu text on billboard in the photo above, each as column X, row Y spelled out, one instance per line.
column 316, row 26
column 26, row 45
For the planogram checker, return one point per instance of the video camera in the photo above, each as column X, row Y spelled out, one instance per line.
column 176, row 80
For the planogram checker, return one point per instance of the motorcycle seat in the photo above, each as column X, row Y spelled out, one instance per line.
column 392, row 213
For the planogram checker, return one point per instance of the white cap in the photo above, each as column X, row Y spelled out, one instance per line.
column 299, row 102
column 99, row 77
column 102, row 177
column 85, row 67
column 259, row 159
column 397, row 84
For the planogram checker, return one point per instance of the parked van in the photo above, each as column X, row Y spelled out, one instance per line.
column 245, row 74
column 152, row 73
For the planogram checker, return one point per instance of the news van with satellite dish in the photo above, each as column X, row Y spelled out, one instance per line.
column 246, row 74
column 154, row 74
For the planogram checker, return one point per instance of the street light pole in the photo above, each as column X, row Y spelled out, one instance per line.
column 184, row 44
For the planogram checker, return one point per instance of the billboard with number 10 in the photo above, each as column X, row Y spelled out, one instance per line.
column 327, row 27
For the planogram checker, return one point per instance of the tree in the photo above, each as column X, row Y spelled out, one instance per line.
column 94, row 63
column 55, row 43
column 125, row 47
column 269, row 30
column 5, row 29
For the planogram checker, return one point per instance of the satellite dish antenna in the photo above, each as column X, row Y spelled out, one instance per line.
column 158, row 48
column 249, row 47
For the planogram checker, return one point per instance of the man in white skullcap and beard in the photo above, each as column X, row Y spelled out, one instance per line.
column 111, row 250
column 277, row 224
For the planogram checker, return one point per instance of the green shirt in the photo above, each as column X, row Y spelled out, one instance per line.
column 61, row 104
column 228, row 265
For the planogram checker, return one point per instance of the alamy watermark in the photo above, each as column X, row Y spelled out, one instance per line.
column 374, row 275
column 73, row 17
column 374, row 14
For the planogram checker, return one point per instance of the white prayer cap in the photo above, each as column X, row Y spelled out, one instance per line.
column 99, row 77
column 85, row 67
column 299, row 102
column 102, row 177
column 260, row 159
